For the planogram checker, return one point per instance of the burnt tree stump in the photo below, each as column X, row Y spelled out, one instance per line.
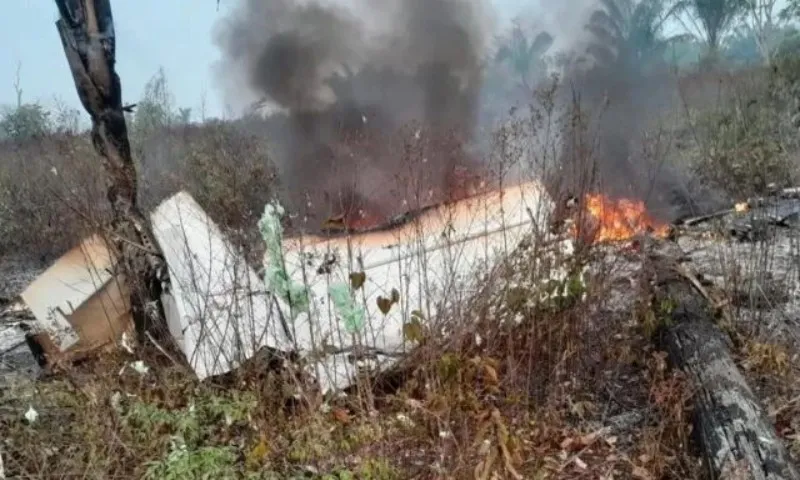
column 86, row 28
column 731, row 425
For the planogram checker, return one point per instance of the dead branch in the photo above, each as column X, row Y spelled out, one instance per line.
column 693, row 221
column 86, row 28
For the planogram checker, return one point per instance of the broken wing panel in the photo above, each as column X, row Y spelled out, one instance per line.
column 218, row 309
column 78, row 289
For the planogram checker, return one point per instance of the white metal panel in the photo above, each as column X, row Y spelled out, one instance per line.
column 66, row 285
column 433, row 262
column 218, row 309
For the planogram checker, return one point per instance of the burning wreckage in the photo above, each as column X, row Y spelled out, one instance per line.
column 343, row 302
column 336, row 297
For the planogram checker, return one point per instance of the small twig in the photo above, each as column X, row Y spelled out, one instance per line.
column 685, row 273
column 774, row 413
column 362, row 350
column 717, row 304
column 594, row 437
column 161, row 349
column 689, row 222
column 133, row 244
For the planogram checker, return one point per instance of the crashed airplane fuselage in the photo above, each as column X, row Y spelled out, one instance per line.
column 323, row 297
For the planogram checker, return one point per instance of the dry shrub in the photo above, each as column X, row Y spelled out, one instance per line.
column 738, row 136
column 52, row 190
column 51, row 194
column 227, row 171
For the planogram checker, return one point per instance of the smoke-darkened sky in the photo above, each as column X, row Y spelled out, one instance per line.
column 176, row 35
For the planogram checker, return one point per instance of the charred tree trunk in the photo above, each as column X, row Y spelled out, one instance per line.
column 86, row 28
column 732, row 427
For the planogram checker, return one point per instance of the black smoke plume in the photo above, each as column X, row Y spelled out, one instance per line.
column 371, row 94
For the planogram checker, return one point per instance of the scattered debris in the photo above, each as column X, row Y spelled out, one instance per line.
column 31, row 415
column 751, row 220
column 79, row 303
column 756, row 222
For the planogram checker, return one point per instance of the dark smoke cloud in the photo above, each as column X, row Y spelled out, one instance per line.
column 373, row 92
column 349, row 79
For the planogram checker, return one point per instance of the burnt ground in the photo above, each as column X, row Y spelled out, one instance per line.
column 16, row 272
column 760, row 281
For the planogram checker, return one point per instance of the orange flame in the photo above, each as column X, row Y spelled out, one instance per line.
column 618, row 220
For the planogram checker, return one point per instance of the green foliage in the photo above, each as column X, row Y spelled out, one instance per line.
column 184, row 116
column 209, row 463
column 658, row 316
column 154, row 110
column 191, row 424
column 684, row 53
column 351, row 314
column 414, row 330
column 525, row 56
column 629, row 34
column 28, row 120
column 714, row 19
column 744, row 141
column 226, row 170
column 791, row 11
column 787, row 50
column 369, row 469
column 189, row 431
column 559, row 295
column 741, row 46
column 276, row 276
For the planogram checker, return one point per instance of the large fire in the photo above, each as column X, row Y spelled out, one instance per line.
column 599, row 219
column 610, row 220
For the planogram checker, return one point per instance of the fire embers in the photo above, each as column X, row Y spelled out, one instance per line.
column 597, row 218
column 357, row 213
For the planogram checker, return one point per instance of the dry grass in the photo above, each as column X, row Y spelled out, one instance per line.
column 565, row 389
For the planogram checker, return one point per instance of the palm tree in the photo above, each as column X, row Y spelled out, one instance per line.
column 791, row 10
column 525, row 56
column 629, row 33
column 712, row 19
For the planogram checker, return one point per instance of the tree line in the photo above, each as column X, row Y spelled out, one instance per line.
column 633, row 36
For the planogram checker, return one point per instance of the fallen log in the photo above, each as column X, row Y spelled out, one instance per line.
column 731, row 424
column 791, row 193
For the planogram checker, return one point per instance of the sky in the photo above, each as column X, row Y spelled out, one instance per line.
column 174, row 34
